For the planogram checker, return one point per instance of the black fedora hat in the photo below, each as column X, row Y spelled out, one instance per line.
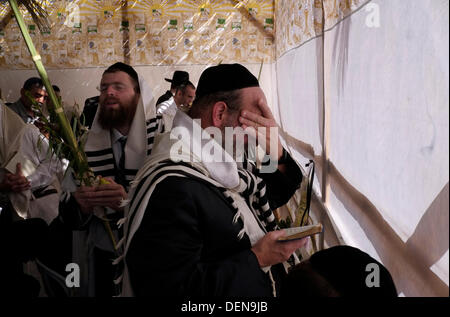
column 179, row 78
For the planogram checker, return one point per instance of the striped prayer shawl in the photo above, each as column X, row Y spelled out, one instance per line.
column 251, row 187
column 102, row 161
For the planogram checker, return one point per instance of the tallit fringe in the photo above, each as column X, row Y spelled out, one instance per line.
column 241, row 234
column 120, row 243
column 236, row 217
column 124, row 202
column 121, row 221
column 274, row 290
column 118, row 280
column 118, row 259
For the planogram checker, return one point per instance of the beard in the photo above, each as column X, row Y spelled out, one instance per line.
column 109, row 118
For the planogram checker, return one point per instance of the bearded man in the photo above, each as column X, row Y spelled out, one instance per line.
column 120, row 139
column 217, row 238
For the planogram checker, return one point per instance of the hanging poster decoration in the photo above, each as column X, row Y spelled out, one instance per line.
column 109, row 36
column 139, row 28
column 188, row 26
column 124, row 27
column 298, row 21
column 140, row 45
column 172, row 43
column 62, row 56
column 108, row 14
column 205, row 53
column 220, row 43
column 46, row 32
column 220, row 25
column 157, row 12
column 157, row 52
column 205, row 35
column 236, row 43
column 268, row 24
column 62, row 39
column 188, row 44
column 205, row 11
column 236, row 26
column 268, row 42
column 92, row 47
column 252, row 50
column 173, row 25
column 76, row 28
column 92, row 29
column 145, row 32
column 32, row 30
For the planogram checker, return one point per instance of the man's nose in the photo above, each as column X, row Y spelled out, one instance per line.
column 110, row 90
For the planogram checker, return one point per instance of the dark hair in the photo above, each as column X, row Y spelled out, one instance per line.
column 231, row 98
column 304, row 281
column 56, row 88
column 183, row 86
column 122, row 67
column 33, row 82
column 340, row 270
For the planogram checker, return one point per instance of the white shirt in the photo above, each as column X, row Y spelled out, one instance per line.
column 34, row 146
column 168, row 107
column 116, row 146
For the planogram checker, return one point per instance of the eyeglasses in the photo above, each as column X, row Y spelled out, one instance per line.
column 115, row 86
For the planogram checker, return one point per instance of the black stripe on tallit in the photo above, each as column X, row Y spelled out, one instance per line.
column 99, row 152
column 101, row 162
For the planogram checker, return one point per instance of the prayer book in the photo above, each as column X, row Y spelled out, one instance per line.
column 301, row 232
column 28, row 167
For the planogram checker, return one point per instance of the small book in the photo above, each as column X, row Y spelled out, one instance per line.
column 301, row 232
column 27, row 166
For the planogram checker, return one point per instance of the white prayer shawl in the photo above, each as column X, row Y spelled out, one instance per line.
column 169, row 109
column 98, row 149
column 223, row 175
column 12, row 130
column 17, row 136
column 139, row 142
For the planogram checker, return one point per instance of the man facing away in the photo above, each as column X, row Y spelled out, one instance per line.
column 217, row 237
column 120, row 138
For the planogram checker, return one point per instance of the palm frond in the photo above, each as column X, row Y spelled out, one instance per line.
column 36, row 10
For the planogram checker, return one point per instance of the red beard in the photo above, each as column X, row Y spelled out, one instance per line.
column 115, row 117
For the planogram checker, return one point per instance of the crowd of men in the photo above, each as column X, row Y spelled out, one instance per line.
column 174, row 214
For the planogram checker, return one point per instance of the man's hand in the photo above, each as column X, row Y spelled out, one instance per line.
column 16, row 182
column 105, row 195
column 270, row 251
column 263, row 136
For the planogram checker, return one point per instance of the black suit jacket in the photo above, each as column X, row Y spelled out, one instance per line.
column 187, row 244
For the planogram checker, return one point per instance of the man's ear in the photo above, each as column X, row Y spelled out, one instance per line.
column 218, row 114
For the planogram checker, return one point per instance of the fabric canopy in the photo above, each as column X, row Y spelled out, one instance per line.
column 368, row 100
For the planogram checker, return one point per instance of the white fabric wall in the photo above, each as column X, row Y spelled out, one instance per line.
column 386, row 133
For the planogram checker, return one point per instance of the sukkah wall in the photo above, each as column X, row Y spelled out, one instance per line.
column 92, row 33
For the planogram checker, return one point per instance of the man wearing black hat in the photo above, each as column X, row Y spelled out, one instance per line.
column 218, row 237
column 120, row 139
column 182, row 100
column 179, row 78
